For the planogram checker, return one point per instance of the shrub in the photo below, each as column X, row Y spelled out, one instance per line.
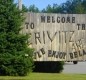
column 49, row 66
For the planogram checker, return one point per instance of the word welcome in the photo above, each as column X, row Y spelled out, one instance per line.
column 57, row 19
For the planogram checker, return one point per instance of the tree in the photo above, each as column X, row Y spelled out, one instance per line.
column 33, row 8
column 49, row 9
column 52, row 9
column 74, row 7
column 84, row 3
column 79, row 8
column 56, row 8
column 68, row 7
column 24, row 8
column 15, row 56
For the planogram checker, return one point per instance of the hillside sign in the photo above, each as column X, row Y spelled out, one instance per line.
column 56, row 37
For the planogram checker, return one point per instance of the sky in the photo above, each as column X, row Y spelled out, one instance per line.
column 41, row 3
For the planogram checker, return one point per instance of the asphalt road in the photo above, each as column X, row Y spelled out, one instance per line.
column 79, row 68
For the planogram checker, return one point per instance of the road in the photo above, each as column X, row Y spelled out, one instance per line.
column 79, row 68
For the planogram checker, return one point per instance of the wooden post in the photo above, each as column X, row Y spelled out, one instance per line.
column 20, row 4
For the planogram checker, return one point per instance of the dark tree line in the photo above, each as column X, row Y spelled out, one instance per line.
column 70, row 6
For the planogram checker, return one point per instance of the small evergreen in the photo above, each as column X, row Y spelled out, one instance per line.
column 13, row 46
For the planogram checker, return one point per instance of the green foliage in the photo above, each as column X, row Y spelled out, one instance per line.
column 33, row 8
column 15, row 56
column 69, row 7
column 49, row 67
column 24, row 8
column 52, row 9
column 74, row 7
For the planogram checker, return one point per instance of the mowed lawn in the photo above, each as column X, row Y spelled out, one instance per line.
column 47, row 76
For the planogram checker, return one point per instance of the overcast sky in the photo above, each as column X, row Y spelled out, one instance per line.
column 41, row 3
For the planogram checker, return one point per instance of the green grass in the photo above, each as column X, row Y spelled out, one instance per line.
column 47, row 76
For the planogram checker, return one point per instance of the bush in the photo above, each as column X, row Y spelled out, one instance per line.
column 48, row 67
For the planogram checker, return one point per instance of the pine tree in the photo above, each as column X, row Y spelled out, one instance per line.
column 13, row 46
column 80, row 9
